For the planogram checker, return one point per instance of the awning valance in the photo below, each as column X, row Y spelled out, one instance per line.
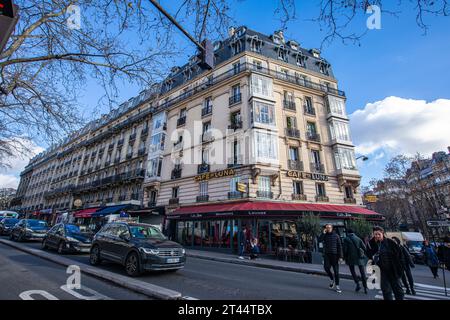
column 85, row 213
column 109, row 210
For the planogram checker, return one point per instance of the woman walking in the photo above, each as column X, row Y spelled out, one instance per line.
column 431, row 258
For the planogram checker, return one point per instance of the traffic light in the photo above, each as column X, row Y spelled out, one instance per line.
column 8, row 20
column 207, row 55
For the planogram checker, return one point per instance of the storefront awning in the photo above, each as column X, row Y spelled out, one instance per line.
column 109, row 210
column 86, row 213
column 267, row 208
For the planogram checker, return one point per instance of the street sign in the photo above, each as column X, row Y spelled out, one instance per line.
column 8, row 21
column 371, row 198
column 438, row 223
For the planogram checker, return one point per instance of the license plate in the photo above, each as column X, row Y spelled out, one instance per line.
column 173, row 260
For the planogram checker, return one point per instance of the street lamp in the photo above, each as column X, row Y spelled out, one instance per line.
column 363, row 157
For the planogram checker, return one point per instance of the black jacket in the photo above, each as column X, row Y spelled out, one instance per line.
column 331, row 244
column 406, row 257
column 396, row 265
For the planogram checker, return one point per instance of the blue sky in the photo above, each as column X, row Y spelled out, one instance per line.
column 397, row 61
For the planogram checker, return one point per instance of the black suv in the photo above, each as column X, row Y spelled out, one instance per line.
column 6, row 225
column 66, row 237
column 138, row 247
column 29, row 229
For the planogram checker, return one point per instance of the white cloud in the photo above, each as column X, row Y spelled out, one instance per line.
column 401, row 126
column 9, row 177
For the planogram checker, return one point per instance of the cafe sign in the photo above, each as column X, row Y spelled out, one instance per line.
column 307, row 175
column 212, row 175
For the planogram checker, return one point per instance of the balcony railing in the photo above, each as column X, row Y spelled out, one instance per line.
column 322, row 199
column 203, row 198
column 289, row 104
column 181, row 121
column 173, row 201
column 317, row 167
column 234, row 161
column 141, row 152
column 122, row 198
column 116, row 160
column 235, row 195
column 313, row 136
column 293, row 133
column 295, row 165
column 234, row 99
column 350, row 200
column 207, row 136
column 132, row 137
column 120, row 142
column 176, row 174
column 235, row 124
column 206, row 111
column 144, row 132
column 297, row 196
column 129, row 155
column 309, row 110
column 177, row 146
column 264, row 194
column 203, row 168
column 151, row 204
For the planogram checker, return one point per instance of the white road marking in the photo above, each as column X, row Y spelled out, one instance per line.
column 27, row 295
column 189, row 298
column 94, row 294
column 380, row 297
column 431, row 287
column 437, row 295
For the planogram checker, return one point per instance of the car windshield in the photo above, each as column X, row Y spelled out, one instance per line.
column 10, row 221
column 36, row 224
column 146, row 232
column 72, row 228
column 414, row 245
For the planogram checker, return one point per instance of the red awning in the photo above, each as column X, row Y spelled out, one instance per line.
column 86, row 213
column 272, row 206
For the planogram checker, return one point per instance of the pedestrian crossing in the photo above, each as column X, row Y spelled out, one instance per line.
column 424, row 292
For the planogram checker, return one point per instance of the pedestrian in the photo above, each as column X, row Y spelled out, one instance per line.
column 431, row 258
column 332, row 254
column 386, row 254
column 354, row 251
column 407, row 264
column 242, row 242
column 254, row 250
column 444, row 253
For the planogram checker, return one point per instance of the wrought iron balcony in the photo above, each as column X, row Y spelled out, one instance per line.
column 207, row 136
column 235, row 195
column 203, row 198
column 176, row 174
column 295, row 165
column 293, row 133
column 322, row 199
column 264, row 194
column 206, row 111
column 203, row 168
column 313, row 136
column 141, row 151
column 309, row 110
column 297, row 196
column 234, row 99
column 289, row 104
column 317, row 167
column 132, row 137
column 173, row 201
column 350, row 200
column 181, row 121
column 235, row 124
column 120, row 142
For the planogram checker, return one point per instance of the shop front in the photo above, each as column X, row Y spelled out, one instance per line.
column 277, row 225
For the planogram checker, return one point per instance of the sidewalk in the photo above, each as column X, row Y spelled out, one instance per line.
column 267, row 263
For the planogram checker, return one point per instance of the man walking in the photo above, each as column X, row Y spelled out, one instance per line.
column 242, row 242
column 386, row 254
column 355, row 255
column 407, row 264
column 332, row 253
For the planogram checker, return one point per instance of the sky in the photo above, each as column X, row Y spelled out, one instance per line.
column 397, row 80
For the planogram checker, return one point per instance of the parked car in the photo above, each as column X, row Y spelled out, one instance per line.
column 66, row 237
column 29, row 229
column 8, row 214
column 6, row 225
column 136, row 246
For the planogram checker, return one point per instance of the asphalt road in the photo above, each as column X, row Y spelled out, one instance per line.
column 205, row 279
column 21, row 274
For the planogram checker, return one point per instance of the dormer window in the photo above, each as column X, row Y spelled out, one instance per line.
column 241, row 32
column 236, row 47
column 276, row 39
column 255, row 44
column 300, row 59
column 187, row 74
column 323, row 67
column 293, row 45
column 282, row 53
column 168, row 85
column 315, row 53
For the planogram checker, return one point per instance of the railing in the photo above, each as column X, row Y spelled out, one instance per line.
column 129, row 155
column 141, row 152
column 151, row 204
column 203, row 198
column 120, row 142
column 309, row 110
column 289, row 104
column 293, row 132
column 317, row 167
column 181, row 121
column 322, row 199
column 132, row 137
column 203, row 168
column 234, row 161
column 264, row 194
column 207, row 136
column 297, row 196
column 206, row 111
column 295, row 165
column 235, row 124
column 350, row 200
column 235, row 195
column 313, row 136
column 173, row 201
column 178, row 146
column 176, row 174
column 234, row 99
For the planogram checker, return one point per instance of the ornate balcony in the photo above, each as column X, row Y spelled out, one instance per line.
column 297, row 196
column 203, row 198
column 313, row 136
column 206, row 111
column 350, row 200
column 317, row 167
column 289, row 105
column 293, row 133
column 264, row 194
column 234, row 99
column 322, row 199
column 295, row 165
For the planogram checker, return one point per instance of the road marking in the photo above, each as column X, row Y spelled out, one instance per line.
column 433, row 294
column 189, row 298
column 27, row 295
column 94, row 294
column 430, row 286
column 380, row 297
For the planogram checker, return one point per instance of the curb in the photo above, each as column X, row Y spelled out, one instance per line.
column 138, row 286
column 267, row 266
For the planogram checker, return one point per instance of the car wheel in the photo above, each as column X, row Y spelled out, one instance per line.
column 44, row 244
column 11, row 236
column 94, row 257
column 20, row 237
column 132, row 266
column 61, row 246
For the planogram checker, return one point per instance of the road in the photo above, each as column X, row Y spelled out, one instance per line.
column 205, row 279
column 21, row 274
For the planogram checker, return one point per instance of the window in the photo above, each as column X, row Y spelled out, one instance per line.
column 206, row 126
column 236, row 47
column 339, row 130
column 282, row 54
column 203, row 187
column 288, row 96
column 233, row 183
column 257, row 65
column 311, row 128
column 236, row 67
column 293, row 153
column 300, row 60
column 291, row 122
column 154, row 167
column 263, row 113
column 261, row 85
column 336, row 105
column 264, row 184
column 175, row 192
column 157, row 142
column 297, row 187
column 255, row 45
column 345, row 159
column 308, row 103
column 205, row 156
column 236, row 90
column 266, row 146
column 348, row 192
column 158, row 121
column 320, row 189
column 315, row 157
column 208, row 103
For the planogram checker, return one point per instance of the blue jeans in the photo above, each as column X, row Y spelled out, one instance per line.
column 241, row 249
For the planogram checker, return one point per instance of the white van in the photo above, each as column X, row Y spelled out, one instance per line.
column 412, row 240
